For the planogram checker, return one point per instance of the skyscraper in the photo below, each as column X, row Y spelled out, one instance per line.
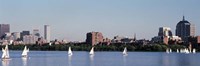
column 94, row 38
column 47, row 33
column 4, row 28
column 183, row 29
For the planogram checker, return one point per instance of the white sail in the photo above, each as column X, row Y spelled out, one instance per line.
column 5, row 54
column 181, row 51
column 25, row 52
column 177, row 50
column 125, row 51
column 167, row 51
column 170, row 50
column 70, row 52
column 194, row 50
column 187, row 51
column 92, row 51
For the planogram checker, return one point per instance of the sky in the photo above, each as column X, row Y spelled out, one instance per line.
column 72, row 19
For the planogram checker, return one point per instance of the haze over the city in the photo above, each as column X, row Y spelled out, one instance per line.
column 72, row 19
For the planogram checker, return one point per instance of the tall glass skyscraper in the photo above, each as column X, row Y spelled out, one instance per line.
column 183, row 29
column 47, row 33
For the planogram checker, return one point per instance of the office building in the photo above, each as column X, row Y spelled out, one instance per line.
column 30, row 39
column 23, row 33
column 121, row 39
column 4, row 28
column 8, row 36
column 47, row 33
column 164, row 35
column 198, row 39
column 164, row 31
column 192, row 30
column 36, row 32
column 94, row 38
column 16, row 35
column 183, row 29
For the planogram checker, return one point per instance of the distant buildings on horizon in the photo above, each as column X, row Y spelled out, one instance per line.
column 24, row 37
column 185, row 32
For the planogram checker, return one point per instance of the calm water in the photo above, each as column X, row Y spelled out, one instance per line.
column 60, row 58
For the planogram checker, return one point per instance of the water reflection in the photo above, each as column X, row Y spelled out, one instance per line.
column 166, row 60
column 5, row 62
column 183, row 59
column 177, row 59
column 91, row 60
column 69, row 60
column 24, row 61
column 91, row 57
column 124, row 60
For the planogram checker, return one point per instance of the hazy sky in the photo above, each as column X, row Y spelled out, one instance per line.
column 72, row 19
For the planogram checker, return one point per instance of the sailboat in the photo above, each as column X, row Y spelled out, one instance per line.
column 70, row 52
column 167, row 51
column 177, row 50
column 194, row 50
column 125, row 52
column 5, row 54
column 187, row 51
column 170, row 50
column 25, row 52
column 92, row 51
column 181, row 51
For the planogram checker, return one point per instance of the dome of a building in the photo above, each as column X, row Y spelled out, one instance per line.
column 183, row 21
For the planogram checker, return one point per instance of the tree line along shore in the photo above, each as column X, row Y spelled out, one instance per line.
column 99, row 47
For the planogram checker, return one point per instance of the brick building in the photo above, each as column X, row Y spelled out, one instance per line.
column 94, row 38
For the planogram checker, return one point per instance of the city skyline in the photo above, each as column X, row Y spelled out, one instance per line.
column 71, row 20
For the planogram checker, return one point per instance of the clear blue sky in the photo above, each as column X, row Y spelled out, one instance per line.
column 72, row 19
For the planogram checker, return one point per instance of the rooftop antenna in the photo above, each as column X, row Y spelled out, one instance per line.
column 134, row 36
column 183, row 16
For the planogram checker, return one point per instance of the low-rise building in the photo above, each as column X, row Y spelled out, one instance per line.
column 30, row 39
